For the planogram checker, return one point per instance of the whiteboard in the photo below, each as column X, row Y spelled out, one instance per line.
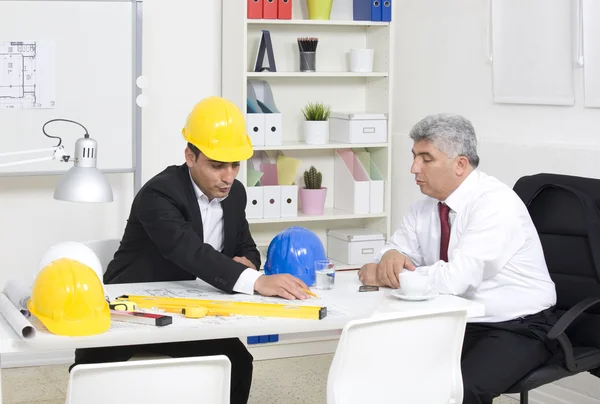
column 591, row 52
column 84, row 70
column 532, row 51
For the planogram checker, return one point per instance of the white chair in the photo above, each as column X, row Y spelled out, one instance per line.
column 399, row 358
column 182, row 381
column 104, row 249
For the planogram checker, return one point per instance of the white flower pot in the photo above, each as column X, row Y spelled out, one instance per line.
column 316, row 132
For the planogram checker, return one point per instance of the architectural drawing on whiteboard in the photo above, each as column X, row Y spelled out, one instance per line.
column 27, row 75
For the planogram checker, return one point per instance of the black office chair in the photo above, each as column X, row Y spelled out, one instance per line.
column 566, row 213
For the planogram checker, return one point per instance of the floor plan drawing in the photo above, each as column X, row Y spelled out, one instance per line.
column 26, row 75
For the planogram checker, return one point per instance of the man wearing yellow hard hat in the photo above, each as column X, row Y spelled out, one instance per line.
column 189, row 222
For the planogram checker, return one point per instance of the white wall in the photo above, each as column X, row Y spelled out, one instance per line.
column 441, row 66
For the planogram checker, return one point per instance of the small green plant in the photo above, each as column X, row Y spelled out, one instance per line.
column 316, row 111
column 312, row 178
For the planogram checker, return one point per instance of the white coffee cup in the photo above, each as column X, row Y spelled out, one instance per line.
column 361, row 60
column 414, row 283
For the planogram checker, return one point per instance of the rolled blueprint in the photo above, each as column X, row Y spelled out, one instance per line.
column 18, row 293
column 17, row 321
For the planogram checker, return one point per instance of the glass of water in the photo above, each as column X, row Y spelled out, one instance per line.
column 325, row 274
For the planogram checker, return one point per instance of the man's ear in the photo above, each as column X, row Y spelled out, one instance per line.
column 190, row 159
column 462, row 164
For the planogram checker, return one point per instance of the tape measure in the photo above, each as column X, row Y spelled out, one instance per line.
column 122, row 305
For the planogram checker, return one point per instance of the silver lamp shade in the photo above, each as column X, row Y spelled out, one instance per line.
column 84, row 182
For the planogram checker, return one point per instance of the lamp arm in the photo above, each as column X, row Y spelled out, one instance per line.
column 58, row 153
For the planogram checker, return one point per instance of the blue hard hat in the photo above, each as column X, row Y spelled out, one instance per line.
column 294, row 251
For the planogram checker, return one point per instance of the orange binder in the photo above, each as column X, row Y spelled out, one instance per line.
column 284, row 9
column 255, row 9
column 270, row 9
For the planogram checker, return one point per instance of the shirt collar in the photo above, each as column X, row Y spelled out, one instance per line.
column 459, row 198
column 199, row 193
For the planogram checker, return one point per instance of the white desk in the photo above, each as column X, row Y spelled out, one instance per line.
column 345, row 296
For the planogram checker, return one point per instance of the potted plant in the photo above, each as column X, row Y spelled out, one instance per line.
column 312, row 195
column 316, row 125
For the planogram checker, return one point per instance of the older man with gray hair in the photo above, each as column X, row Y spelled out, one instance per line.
column 474, row 238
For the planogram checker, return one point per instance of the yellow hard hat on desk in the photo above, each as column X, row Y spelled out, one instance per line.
column 68, row 298
column 217, row 127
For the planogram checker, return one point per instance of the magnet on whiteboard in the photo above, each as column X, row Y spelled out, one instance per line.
column 142, row 82
column 141, row 100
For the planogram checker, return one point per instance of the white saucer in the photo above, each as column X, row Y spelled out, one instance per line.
column 400, row 295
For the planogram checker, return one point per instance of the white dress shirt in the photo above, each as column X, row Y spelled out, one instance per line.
column 212, row 227
column 495, row 255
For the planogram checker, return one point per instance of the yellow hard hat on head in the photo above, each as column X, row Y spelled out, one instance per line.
column 68, row 298
column 217, row 127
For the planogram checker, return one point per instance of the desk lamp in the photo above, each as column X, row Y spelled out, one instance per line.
column 83, row 182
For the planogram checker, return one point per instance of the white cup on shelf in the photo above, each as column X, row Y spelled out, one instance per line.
column 361, row 60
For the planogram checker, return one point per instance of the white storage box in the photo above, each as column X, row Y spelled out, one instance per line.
column 347, row 127
column 354, row 246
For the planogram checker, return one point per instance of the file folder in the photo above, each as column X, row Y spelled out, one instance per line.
column 376, row 182
column 386, row 11
column 254, row 202
column 351, row 183
column 270, row 9
column 361, row 10
column 255, row 127
column 284, row 9
column 255, row 9
column 376, row 10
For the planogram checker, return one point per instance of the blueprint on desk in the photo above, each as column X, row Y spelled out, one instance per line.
column 201, row 290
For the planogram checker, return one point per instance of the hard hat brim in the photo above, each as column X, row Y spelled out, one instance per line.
column 228, row 155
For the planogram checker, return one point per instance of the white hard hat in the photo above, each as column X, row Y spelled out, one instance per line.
column 75, row 251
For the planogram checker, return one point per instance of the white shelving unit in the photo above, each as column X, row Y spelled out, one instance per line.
column 332, row 84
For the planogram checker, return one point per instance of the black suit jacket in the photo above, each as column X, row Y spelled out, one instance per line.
column 163, row 239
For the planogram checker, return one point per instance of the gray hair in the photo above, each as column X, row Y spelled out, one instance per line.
column 451, row 134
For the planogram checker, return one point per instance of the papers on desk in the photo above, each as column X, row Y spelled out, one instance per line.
column 16, row 319
column 13, row 306
column 19, row 294
column 201, row 290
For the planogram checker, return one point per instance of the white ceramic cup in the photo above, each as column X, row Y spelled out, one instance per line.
column 361, row 60
column 413, row 283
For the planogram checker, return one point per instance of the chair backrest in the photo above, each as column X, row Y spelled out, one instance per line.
column 399, row 358
column 565, row 211
column 104, row 249
column 182, row 381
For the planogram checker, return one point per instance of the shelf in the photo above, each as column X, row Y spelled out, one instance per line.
column 306, row 146
column 330, row 214
column 317, row 22
column 316, row 74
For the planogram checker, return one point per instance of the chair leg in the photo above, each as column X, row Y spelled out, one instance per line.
column 524, row 397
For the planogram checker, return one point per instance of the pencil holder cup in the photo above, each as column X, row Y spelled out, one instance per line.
column 308, row 61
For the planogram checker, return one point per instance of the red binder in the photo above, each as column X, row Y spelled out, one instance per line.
column 270, row 9
column 255, row 9
column 284, row 9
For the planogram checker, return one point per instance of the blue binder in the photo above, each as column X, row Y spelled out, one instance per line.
column 361, row 10
column 386, row 11
column 376, row 10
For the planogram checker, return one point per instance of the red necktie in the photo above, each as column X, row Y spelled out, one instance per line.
column 445, row 225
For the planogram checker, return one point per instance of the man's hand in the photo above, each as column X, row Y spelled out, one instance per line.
column 282, row 285
column 390, row 266
column 245, row 261
column 368, row 275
